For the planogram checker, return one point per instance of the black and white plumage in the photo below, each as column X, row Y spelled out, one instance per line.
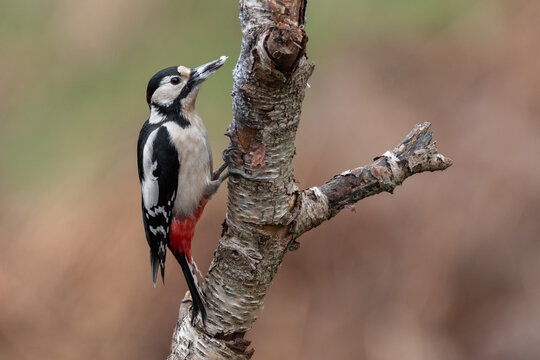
column 158, row 173
column 175, row 168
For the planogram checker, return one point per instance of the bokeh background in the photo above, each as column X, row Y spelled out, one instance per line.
column 446, row 268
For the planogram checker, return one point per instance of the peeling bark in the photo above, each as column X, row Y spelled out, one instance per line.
column 266, row 212
column 415, row 154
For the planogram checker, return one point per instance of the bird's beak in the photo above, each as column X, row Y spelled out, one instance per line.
column 200, row 73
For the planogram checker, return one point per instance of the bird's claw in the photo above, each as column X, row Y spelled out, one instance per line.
column 241, row 173
column 231, row 169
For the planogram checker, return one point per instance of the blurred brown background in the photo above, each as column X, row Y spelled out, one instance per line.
column 446, row 268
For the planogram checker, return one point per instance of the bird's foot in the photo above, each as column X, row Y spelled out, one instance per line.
column 213, row 185
column 217, row 173
column 217, row 178
column 231, row 169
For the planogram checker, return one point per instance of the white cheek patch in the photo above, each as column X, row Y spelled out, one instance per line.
column 167, row 92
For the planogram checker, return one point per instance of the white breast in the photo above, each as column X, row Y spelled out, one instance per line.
column 195, row 166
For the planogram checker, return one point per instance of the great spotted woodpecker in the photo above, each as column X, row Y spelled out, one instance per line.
column 175, row 169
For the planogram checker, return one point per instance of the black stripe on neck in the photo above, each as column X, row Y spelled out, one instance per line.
column 173, row 112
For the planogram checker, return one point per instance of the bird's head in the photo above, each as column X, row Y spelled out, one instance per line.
column 175, row 88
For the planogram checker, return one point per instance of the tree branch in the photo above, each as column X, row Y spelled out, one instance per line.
column 414, row 155
column 265, row 209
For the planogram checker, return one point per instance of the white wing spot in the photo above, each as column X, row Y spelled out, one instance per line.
column 161, row 210
column 153, row 168
column 160, row 229
column 150, row 186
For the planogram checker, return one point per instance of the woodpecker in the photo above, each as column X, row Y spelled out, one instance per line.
column 175, row 169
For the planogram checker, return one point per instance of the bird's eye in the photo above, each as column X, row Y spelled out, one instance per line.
column 175, row 80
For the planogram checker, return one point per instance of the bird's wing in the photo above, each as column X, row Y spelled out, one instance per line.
column 158, row 171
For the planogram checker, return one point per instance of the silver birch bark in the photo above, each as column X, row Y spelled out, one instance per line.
column 266, row 212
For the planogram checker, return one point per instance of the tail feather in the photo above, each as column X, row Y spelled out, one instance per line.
column 162, row 266
column 154, row 263
column 191, row 279
column 157, row 260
